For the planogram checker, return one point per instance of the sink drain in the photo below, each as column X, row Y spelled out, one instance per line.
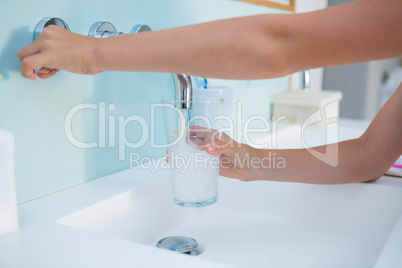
column 180, row 244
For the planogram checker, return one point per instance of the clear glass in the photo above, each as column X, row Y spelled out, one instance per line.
column 194, row 173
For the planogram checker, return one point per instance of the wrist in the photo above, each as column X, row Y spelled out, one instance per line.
column 246, row 159
column 266, row 163
column 97, row 61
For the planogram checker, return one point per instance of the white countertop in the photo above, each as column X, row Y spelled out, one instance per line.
column 43, row 242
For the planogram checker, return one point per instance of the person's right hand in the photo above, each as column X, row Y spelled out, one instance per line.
column 58, row 49
column 234, row 156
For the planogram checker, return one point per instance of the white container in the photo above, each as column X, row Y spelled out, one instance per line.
column 8, row 199
column 299, row 105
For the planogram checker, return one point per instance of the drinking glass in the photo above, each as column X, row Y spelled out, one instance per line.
column 194, row 173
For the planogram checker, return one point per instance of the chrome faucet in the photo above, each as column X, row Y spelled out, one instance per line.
column 184, row 90
column 305, row 82
column 182, row 82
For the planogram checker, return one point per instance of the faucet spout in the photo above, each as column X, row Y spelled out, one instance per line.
column 184, row 90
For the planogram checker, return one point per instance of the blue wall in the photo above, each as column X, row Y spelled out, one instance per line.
column 35, row 111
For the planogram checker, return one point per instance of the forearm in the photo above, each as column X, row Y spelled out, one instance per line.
column 348, row 163
column 349, row 33
column 362, row 159
column 239, row 48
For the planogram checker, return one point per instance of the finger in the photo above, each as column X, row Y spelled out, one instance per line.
column 28, row 50
column 29, row 64
column 43, row 70
column 51, row 73
column 36, row 62
column 205, row 134
column 196, row 142
column 221, row 147
column 197, row 127
column 200, row 132
column 28, row 74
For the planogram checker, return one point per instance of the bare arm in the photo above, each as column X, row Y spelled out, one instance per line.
column 253, row 47
column 350, row 33
column 362, row 159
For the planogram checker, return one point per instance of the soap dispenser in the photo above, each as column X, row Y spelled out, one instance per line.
column 8, row 200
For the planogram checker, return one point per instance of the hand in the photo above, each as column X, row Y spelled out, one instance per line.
column 233, row 154
column 234, row 157
column 58, row 49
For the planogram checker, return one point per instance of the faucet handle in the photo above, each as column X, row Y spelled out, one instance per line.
column 43, row 23
column 103, row 29
column 139, row 28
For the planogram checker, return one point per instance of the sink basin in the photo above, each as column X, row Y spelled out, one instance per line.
column 257, row 224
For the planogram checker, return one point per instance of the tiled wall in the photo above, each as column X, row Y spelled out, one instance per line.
column 36, row 111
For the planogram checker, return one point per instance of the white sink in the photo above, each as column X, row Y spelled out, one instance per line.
column 257, row 224
column 264, row 224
